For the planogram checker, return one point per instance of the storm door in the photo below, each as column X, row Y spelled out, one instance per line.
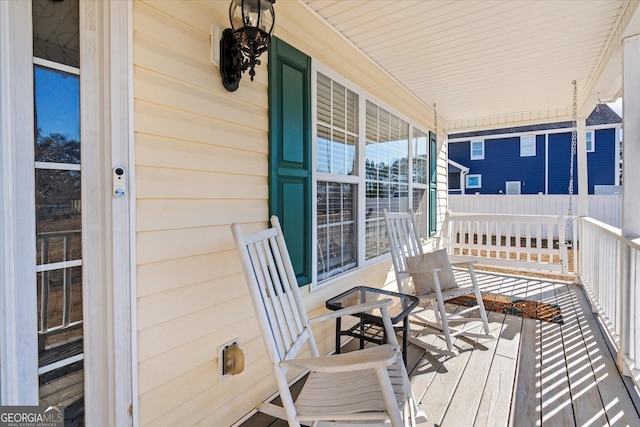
column 58, row 202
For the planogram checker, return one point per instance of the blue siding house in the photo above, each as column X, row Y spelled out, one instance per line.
column 534, row 159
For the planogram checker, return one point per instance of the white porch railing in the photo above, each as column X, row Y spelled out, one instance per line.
column 609, row 271
column 531, row 242
column 605, row 208
column 607, row 264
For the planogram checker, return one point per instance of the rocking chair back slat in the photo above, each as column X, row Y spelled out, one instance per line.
column 404, row 241
column 274, row 292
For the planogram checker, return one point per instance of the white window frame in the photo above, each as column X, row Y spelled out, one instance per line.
column 477, row 156
column 469, row 177
column 506, row 187
column 359, row 179
column 591, row 149
column 524, row 140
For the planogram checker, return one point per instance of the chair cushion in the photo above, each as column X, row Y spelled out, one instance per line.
column 421, row 267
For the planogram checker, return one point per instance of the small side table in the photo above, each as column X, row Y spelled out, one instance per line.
column 370, row 327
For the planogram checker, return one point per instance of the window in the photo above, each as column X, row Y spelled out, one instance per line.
column 363, row 158
column 474, row 181
column 527, row 146
column 477, row 150
column 591, row 141
column 513, row 187
column 337, row 118
column 386, row 175
column 420, row 179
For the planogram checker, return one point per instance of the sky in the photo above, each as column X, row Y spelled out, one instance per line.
column 617, row 106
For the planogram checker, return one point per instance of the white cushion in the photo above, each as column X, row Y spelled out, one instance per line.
column 421, row 267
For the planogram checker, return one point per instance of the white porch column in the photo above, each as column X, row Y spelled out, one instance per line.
column 583, row 177
column 630, row 199
column 631, row 140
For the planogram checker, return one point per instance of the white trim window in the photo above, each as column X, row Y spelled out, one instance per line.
column 591, row 141
column 527, row 146
column 366, row 158
column 476, row 150
column 473, row 181
column 513, row 187
column 337, row 135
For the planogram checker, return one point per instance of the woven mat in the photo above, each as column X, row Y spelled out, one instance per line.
column 513, row 305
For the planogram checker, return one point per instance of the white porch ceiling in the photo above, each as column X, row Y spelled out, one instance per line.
column 487, row 62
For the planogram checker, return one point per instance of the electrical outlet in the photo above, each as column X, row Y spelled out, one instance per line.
column 221, row 352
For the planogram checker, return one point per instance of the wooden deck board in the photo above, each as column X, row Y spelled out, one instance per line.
column 535, row 374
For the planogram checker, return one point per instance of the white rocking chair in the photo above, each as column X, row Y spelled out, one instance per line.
column 434, row 283
column 369, row 385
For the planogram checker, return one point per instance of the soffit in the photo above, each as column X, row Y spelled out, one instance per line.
column 488, row 62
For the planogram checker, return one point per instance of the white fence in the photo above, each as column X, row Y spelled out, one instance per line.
column 604, row 208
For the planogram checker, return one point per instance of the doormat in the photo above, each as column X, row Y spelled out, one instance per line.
column 513, row 305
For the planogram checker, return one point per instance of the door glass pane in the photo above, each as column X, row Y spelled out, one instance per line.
column 57, row 116
column 58, row 216
column 56, row 31
column 58, row 207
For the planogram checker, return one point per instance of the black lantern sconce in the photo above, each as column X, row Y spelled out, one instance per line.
column 252, row 23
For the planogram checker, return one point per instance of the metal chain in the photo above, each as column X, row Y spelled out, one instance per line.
column 435, row 120
column 574, row 143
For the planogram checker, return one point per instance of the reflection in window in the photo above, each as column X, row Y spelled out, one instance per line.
column 337, row 130
column 56, row 31
column 387, row 174
column 57, row 105
column 337, row 136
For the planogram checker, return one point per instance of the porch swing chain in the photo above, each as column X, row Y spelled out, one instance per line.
column 574, row 143
column 435, row 121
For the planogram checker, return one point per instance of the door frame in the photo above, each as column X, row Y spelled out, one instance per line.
column 109, row 241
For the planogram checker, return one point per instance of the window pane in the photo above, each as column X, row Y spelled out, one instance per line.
column 387, row 174
column 336, row 228
column 337, row 131
column 56, row 31
column 324, row 148
column 420, row 160
column 527, row 146
column 57, row 105
column 58, row 218
column 420, row 206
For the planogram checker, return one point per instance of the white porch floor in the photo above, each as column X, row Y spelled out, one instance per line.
column 535, row 373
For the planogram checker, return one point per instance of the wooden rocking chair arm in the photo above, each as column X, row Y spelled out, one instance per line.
column 354, row 309
column 369, row 358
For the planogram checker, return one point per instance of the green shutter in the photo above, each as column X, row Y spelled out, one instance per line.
column 433, row 184
column 290, row 151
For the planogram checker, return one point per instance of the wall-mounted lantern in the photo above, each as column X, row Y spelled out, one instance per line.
column 252, row 23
